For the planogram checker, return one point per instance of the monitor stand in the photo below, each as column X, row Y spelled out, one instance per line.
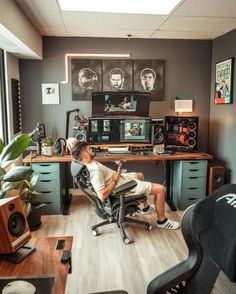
column 20, row 254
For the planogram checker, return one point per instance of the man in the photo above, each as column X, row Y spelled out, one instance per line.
column 126, row 104
column 86, row 79
column 104, row 180
column 116, row 79
column 148, row 77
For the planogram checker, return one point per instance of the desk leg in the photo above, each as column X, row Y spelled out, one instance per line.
column 169, row 169
column 67, row 195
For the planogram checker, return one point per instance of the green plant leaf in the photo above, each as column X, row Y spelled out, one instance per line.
column 33, row 180
column 1, row 145
column 2, row 172
column 2, row 194
column 11, row 185
column 18, row 173
column 15, row 148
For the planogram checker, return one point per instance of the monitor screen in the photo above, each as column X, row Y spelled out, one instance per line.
column 135, row 130
column 120, row 103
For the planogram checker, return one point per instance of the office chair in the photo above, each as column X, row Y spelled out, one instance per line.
column 209, row 230
column 115, row 208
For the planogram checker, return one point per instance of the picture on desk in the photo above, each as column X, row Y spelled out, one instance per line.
column 120, row 103
column 29, row 285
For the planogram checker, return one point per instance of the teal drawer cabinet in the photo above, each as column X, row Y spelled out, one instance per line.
column 50, row 186
column 189, row 178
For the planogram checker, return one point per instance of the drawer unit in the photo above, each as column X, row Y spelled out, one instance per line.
column 50, row 186
column 189, row 179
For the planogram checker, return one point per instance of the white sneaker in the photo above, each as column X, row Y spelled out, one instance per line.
column 169, row 225
column 150, row 209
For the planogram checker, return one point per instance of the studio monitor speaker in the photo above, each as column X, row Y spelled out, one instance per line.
column 14, row 228
column 158, row 136
column 216, row 176
column 81, row 135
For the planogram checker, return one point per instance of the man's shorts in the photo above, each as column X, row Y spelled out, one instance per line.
column 142, row 187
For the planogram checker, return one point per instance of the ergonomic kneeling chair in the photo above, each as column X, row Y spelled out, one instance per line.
column 115, row 208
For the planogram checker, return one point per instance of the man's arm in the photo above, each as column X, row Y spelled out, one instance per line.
column 104, row 193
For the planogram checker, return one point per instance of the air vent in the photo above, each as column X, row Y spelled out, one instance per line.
column 16, row 106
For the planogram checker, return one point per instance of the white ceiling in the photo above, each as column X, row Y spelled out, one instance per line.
column 192, row 19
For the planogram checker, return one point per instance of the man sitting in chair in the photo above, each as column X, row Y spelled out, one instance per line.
column 104, row 181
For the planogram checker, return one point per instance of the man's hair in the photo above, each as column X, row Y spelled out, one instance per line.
column 147, row 71
column 116, row 71
column 77, row 150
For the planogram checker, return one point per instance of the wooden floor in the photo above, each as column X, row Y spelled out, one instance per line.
column 104, row 262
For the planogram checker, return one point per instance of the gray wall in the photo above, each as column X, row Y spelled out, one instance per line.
column 222, row 142
column 187, row 75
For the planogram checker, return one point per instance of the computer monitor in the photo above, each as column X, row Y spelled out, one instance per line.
column 120, row 103
column 135, row 130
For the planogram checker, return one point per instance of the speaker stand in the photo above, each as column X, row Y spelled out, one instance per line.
column 20, row 254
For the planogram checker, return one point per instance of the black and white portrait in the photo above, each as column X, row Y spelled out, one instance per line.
column 149, row 77
column 117, row 75
column 86, row 78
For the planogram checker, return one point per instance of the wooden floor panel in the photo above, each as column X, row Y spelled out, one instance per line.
column 104, row 262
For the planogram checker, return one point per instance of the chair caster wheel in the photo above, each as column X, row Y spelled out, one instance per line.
column 148, row 227
column 95, row 232
column 126, row 240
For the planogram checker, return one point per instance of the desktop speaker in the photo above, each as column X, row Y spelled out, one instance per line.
column 216, row 177
column 81, row 135
column 158, row 134
column 14, row 228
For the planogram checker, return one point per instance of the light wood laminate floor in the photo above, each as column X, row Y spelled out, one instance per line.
column 104, row 262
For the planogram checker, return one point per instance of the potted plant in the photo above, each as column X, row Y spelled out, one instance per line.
column 47, row 146
column 18, row 179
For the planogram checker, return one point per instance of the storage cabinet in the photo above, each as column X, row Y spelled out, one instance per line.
column 50, row 186
column 189, row 180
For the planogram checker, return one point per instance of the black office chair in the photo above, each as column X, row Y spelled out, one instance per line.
column 209, row 229
column 115, row 208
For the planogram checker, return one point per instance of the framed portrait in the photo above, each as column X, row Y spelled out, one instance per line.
column 117, row 75
column 223, row 92
column 86, row 77
column 149, row 77
column 50, row 94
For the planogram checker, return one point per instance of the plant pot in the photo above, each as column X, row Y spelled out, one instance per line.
column 34, row 219
column 47, row 150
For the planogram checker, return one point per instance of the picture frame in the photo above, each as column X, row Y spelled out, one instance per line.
column 223, row 91
column 50, row 94
column 149, row 77
column 86, row 76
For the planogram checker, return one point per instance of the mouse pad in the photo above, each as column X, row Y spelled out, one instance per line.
column 27, row 285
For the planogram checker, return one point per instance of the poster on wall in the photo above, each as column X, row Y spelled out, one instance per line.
column 50, row 94
column 117, row 75
column 149, row 77
column 224, row 82
column 86, row 76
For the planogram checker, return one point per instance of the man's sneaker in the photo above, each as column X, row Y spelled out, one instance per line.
column 168, row 225
column 149, row 209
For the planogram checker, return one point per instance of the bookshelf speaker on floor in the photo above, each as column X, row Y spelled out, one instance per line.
column 216, row 177
column 14, row 228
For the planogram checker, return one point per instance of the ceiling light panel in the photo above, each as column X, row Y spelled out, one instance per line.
column 161, row 7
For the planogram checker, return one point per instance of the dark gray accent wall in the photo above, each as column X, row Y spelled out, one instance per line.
column 187, row 75
column 222, row 142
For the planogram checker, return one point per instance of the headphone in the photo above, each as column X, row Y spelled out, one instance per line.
column 60, row 146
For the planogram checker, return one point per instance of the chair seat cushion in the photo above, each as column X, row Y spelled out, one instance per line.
column 115, row 203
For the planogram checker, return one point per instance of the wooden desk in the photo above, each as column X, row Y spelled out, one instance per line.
column 105, row 157
column 45, row 260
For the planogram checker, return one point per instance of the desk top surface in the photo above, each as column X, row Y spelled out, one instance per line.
column 45, row 260
column 106, row 157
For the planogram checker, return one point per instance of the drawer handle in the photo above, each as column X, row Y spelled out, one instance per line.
column 193, row 188
column 45, row 164
column 45, row 192
column 193, row 178
column 45, row 181
column 193, row 170
column 193, row 162
column 192, row 198
column 45, row 173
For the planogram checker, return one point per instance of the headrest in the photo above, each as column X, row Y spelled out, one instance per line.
column 76, row 168
column 214, row 224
